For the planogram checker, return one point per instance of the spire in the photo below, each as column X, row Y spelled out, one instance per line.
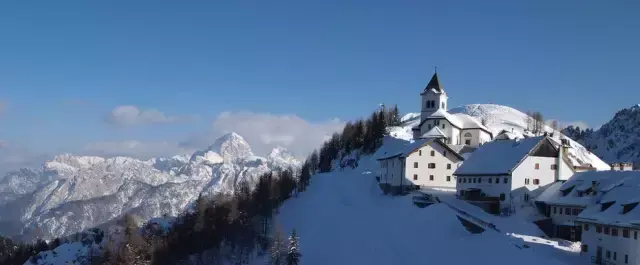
column 434, row 83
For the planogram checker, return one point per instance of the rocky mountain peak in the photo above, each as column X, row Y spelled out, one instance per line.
column 231, row 146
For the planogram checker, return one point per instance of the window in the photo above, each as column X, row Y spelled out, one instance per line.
column 429, row 126
column 635, row 234
column 467, row 135
column 490, row 180
column 585, row 227
column 479, row 180
column 608, row 254
column 625, row 233
column 443, row 126
column 502, row 197
column 497, row 180
column 626, row 258
column 415, row 164
column 606, row 230
column 467, row 142
column 460, row 180
column 526, row 197
column 448, row 178
column 598, row 229
column 585, row 248
column 430, row 177
column 567, row 211
column 432, row 165
column 448, row 166
column 506, row 180
column 419, row 152
column 464, row 180
column 526, row 181
column 536, row 181
column 415, row 176
column 475, row 180
column 537, row 166
column 554, row 210
column 614, row 231
column 433, row 153
column 554, row 167
column 614, row 255
column 444, row 153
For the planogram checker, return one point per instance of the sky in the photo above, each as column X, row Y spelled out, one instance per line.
column 149, row 78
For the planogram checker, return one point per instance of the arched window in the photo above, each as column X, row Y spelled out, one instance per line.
column 467, row 135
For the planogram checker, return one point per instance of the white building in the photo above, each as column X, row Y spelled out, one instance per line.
column 423, row 163
column 564, row 201
column 502, row 173
column 610, row 227
column 459, row 128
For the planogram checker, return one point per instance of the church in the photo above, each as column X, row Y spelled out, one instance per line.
column 437, row 122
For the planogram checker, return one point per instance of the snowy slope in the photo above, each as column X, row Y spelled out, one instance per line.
column 617, row 140
column 344, row 219
column 498, row 118
column 73, row 193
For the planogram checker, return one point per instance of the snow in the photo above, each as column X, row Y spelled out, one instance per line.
column 623, row 189
column 582, row 181
column 68, row 253
column 345, row 214
column 442, row 113
column 498, row 157
column 469, row 122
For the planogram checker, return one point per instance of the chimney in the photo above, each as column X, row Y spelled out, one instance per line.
column 594, row 184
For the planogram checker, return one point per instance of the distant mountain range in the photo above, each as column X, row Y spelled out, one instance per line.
column 72, row 193
column 617, row 140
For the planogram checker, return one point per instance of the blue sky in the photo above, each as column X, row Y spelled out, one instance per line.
column 65, row 66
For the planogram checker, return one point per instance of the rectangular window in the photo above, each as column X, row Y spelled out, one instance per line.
column 490, row 179
column 554, row 210
column 479, row 180
column 585, row 227
column 635, row 234
column 415, row 164
column 537, row 166
column 448, row 178
column 625, row 233
column 567, row 211
column 467, row 142
column 526, row 181
column 598, row 229
column 444, row 153
column 430, row 177
column 554, row 167
column 506, row 180
column 415, row 176
column 574, row 211
column 459, row 180
column 626, row 258
column 448, row 166
column 585, row 248
column 606, row 230
column 433, row 153
column 614, row 231
column 608, row 254
column 419, row 152
column 474, row 180
column 443, row 126
column 615, row 255
column 431, row 165
column 536, row 182
column 464, row 180
column 497, row 180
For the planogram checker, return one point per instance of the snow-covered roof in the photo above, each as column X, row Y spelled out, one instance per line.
column 435, row 132
column 405, row 150
column 461, row 148
column 469, row 122
column 585, row 188
column 625, row 195
column 508, row 135
column 443, row 114
column 498, row 157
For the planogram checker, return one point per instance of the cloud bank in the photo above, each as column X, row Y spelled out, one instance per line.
column 132, row 115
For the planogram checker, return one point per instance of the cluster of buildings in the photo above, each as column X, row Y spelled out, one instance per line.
column 497, row 172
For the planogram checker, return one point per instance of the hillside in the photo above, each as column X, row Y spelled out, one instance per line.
column 498, row 118
column 618, row 140
column 344, row 219
column 72, row 193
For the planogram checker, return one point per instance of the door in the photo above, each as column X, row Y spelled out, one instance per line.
column 599, row 255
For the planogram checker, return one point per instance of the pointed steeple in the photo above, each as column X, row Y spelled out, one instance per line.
column 434, row 83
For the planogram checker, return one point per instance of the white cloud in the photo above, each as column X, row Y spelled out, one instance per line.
column 134, row 148
column 264, row 131
column 14, row 157
column 132, row 115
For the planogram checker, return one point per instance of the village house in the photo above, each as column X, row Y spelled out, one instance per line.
column 501, row 173
column 610, row 227
column 422, row 163
column 458, row 128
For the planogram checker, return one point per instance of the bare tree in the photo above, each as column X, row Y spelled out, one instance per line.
column 554, row 125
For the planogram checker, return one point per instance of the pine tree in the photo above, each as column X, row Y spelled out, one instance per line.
column 277, row 255
column 293, row 256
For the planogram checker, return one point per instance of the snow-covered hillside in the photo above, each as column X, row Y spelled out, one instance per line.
column 72, row 193
column 498, row 118
column 617, row 140
column 343, row 218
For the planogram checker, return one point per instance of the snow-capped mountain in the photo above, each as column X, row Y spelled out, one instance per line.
column 72, row 193
column 617, row 140
column 498, row 118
